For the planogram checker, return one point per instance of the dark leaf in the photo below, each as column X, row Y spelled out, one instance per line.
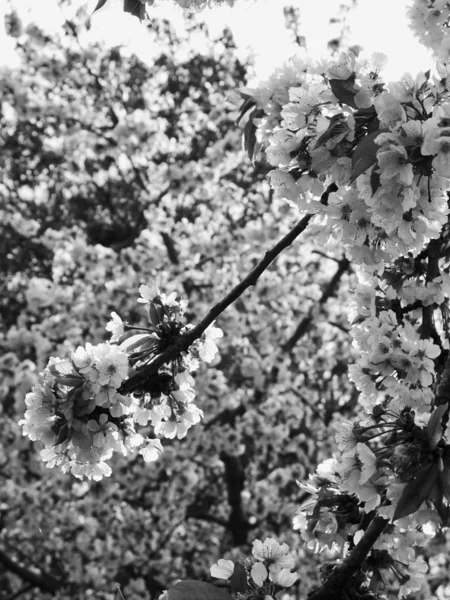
column 365, row 154
column 251, row 145
column 441, row 491
column 62, row 435
column 71, row 380
column 135, row 341
column 196, row 590
column 154, row 314
column 249, row 138
column 238, row 580
column 344, row 90
column 417, row 491
column 434, row 427
column 444, row 482
column 135, row 8
column 248, row 103
column 335, row 133
column 375, row 182
column 100, row 3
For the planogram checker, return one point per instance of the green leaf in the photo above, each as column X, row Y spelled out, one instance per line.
column 444, row 481
column 135, row 8
column 441, row 491
column 135, row 341
column 100, row 3
column 375, row 181
column 248, row 103
column 434, row 427
column 71, row 380
column 365, row 154
column 238, row 580
column 251, row 145
column 344, row 90
column 62, row 435
column 196, row 590
column 153, row 313
column 417, row 491
column 335, row 133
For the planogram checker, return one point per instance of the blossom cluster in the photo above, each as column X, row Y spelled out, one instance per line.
column 371, row 163
column 429, row 20
column 265, row 573
column 88, row 406
column 195, row 4
column 369, row 160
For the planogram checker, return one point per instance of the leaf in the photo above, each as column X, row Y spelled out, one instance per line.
column 335, row 133
column 248, row 103
column 238, row 580
column 444, row 480
column 196, row 590
column 153, row 313
column 434, row 427
column 375, row 181
column 441, row 491
column 344, row 90
column 71, row 380
column 135, row 8
column 417, row 491
column 250, row 142
column 100, row 3
column 62, row 435
column 135, row 341
column 365, row 154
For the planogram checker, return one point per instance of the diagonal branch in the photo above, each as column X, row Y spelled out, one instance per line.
column 334, row 588
column 329, row 291
column 186, row 340
column 44, row 581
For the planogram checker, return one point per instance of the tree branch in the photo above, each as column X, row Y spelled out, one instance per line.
column 329, row 291
column 334, row 588
column 42, row 580
column 186, row 340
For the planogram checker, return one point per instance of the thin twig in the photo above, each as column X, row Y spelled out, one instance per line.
column 186, row 340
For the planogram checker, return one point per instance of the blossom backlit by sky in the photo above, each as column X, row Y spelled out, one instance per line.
column 258, row 27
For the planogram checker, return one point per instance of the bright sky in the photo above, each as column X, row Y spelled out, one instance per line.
column 258, row 27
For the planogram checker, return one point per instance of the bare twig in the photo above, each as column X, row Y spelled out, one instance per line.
column 186, row 340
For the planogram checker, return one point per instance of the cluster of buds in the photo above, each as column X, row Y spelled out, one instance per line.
column 88, row 406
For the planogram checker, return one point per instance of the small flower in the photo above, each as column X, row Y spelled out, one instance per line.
column 116, row 327
column 275, row 555
column 222, row 569
column 112, row 365
column 259, row 574
column 284, row 578
column 83, row 358
column 152, row 451
column 148, row 293
column 208, row 347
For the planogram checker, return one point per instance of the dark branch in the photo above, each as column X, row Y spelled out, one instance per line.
column 329, row 291
column 42, row 580
column 184, row 341
column 334, row 588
